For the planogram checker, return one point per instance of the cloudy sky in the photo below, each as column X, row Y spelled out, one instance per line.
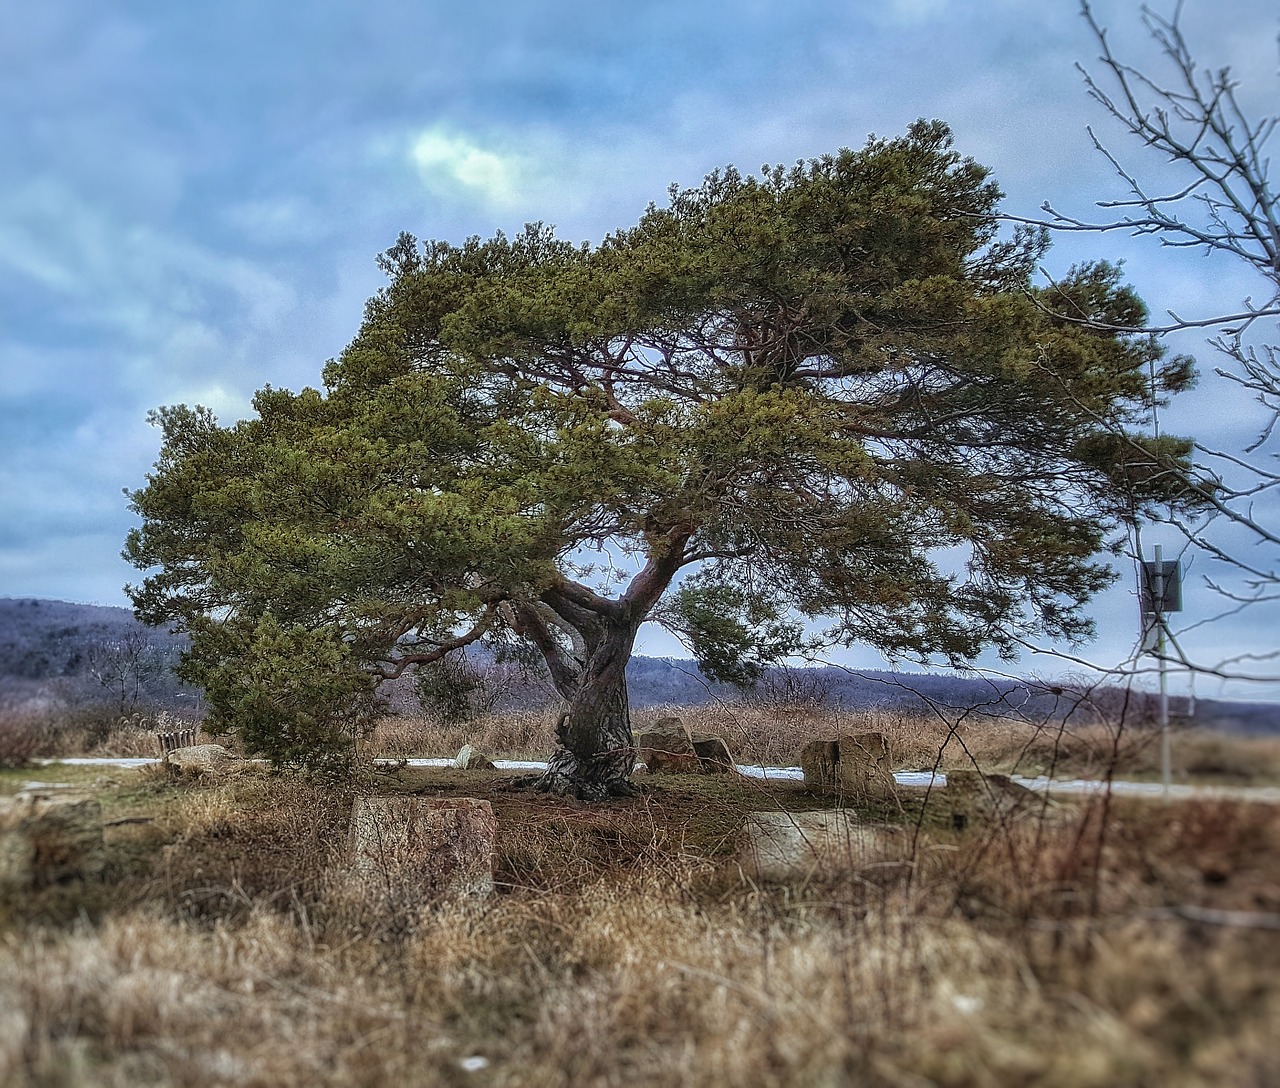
column 192, row 195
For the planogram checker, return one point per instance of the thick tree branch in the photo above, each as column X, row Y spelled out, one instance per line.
column 394, row 667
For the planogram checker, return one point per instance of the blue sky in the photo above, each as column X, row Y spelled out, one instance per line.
column 192, row 195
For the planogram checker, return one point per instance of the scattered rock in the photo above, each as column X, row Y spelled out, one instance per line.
column 414, row 849
column 866, row 765
column 661, row 762
column 202, row 759
column 786, row 845
column 669, row 748
column 47, row 837
column 472, row 759
column 713, row 754
column 860, row 765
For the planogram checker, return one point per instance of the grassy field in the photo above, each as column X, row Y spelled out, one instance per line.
column 1109, row 943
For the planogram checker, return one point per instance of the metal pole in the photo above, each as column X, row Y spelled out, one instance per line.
column 1157, row 594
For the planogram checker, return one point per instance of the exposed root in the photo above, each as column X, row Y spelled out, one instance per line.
column 559, row 784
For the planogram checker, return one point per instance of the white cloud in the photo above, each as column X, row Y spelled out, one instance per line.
column 228, row 405
column 126, row 276
column 452, row 162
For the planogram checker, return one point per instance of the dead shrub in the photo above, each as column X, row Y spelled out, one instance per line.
column 23, row 737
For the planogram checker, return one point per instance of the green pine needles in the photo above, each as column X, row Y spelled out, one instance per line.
column 773, row 404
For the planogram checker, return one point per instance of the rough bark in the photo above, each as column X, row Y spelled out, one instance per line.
column 594, row 754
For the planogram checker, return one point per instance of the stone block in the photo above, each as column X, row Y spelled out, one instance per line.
column 713, row 754
column 866, row 765
column 859, row 765
column 790, row 845
column 671, row 725
column 47, row 838
column 660, row 762
column 976, row 799
column 667, row 748
column 666, row 735
column 820, row 761
column 416, row 849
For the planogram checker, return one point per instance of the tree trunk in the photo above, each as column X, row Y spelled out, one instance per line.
column 594, row 754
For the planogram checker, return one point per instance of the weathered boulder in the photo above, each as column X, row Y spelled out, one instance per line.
column 47, row 838
column 975, row 799
column 470, row 758
column 859, row 765
column 787, row 845
column 415, row 849
column 671, row 725
column 667, row 748
column 203, row 759
column 713, row 754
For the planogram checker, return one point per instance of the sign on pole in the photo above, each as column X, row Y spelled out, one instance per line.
column 1160, row 591
column 1161, row 588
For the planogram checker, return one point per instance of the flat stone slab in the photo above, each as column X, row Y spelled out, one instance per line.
column 416, row 849
column 786, row 845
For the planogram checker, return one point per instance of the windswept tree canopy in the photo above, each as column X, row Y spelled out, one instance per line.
column 828, row 393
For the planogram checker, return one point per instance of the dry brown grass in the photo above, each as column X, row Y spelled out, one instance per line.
column 624, row 947
column 23, row 737
column 774, row 736
column 88, row 731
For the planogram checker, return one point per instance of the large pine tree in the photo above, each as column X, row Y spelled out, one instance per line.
column 828, row 393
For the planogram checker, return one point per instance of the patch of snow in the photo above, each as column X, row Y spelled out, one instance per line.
column 780, row 774
column 99, row 761
column 920, row 778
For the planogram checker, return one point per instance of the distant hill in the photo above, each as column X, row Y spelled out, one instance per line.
column 52, row 647
column 46, row 643
column 41, row 639
column 659, row 681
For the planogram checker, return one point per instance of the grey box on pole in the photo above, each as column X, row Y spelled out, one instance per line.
column 1168, row 575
